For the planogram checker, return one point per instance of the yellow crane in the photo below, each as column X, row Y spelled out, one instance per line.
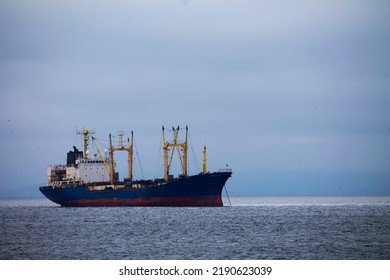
column 100, row 154
column 175, row 144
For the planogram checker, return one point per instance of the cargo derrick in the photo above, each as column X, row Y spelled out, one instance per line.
column 121, row 147
column 175, row 144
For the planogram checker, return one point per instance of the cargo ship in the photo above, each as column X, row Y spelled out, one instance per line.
column 92, row 181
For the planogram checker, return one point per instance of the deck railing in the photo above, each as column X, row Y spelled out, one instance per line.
column 225, row 170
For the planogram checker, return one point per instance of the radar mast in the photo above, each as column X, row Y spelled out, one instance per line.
column 85, row 133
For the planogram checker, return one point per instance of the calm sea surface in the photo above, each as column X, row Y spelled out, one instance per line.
column 253, row 228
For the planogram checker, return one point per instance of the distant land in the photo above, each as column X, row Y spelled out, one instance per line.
column 30, row 191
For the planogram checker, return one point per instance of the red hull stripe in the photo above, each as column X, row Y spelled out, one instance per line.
column 204, row 201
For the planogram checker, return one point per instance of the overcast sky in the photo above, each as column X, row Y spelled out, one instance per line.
column 293, row 95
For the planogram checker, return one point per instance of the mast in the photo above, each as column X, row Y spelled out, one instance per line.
column 129, row 150
column 185, row 148
column 130, row 157
column 112, row 168
column 180, row 145
column 85, row 133
column 204, row 160
column 165, row 148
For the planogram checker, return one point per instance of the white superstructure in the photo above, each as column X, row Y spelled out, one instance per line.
column 92, row 170
column 84, row 171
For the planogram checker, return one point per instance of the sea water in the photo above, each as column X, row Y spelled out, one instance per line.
column 318, row 228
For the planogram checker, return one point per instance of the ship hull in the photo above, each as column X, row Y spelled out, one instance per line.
column 198, row 190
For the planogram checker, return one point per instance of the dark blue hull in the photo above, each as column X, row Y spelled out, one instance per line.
column 197, row 190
